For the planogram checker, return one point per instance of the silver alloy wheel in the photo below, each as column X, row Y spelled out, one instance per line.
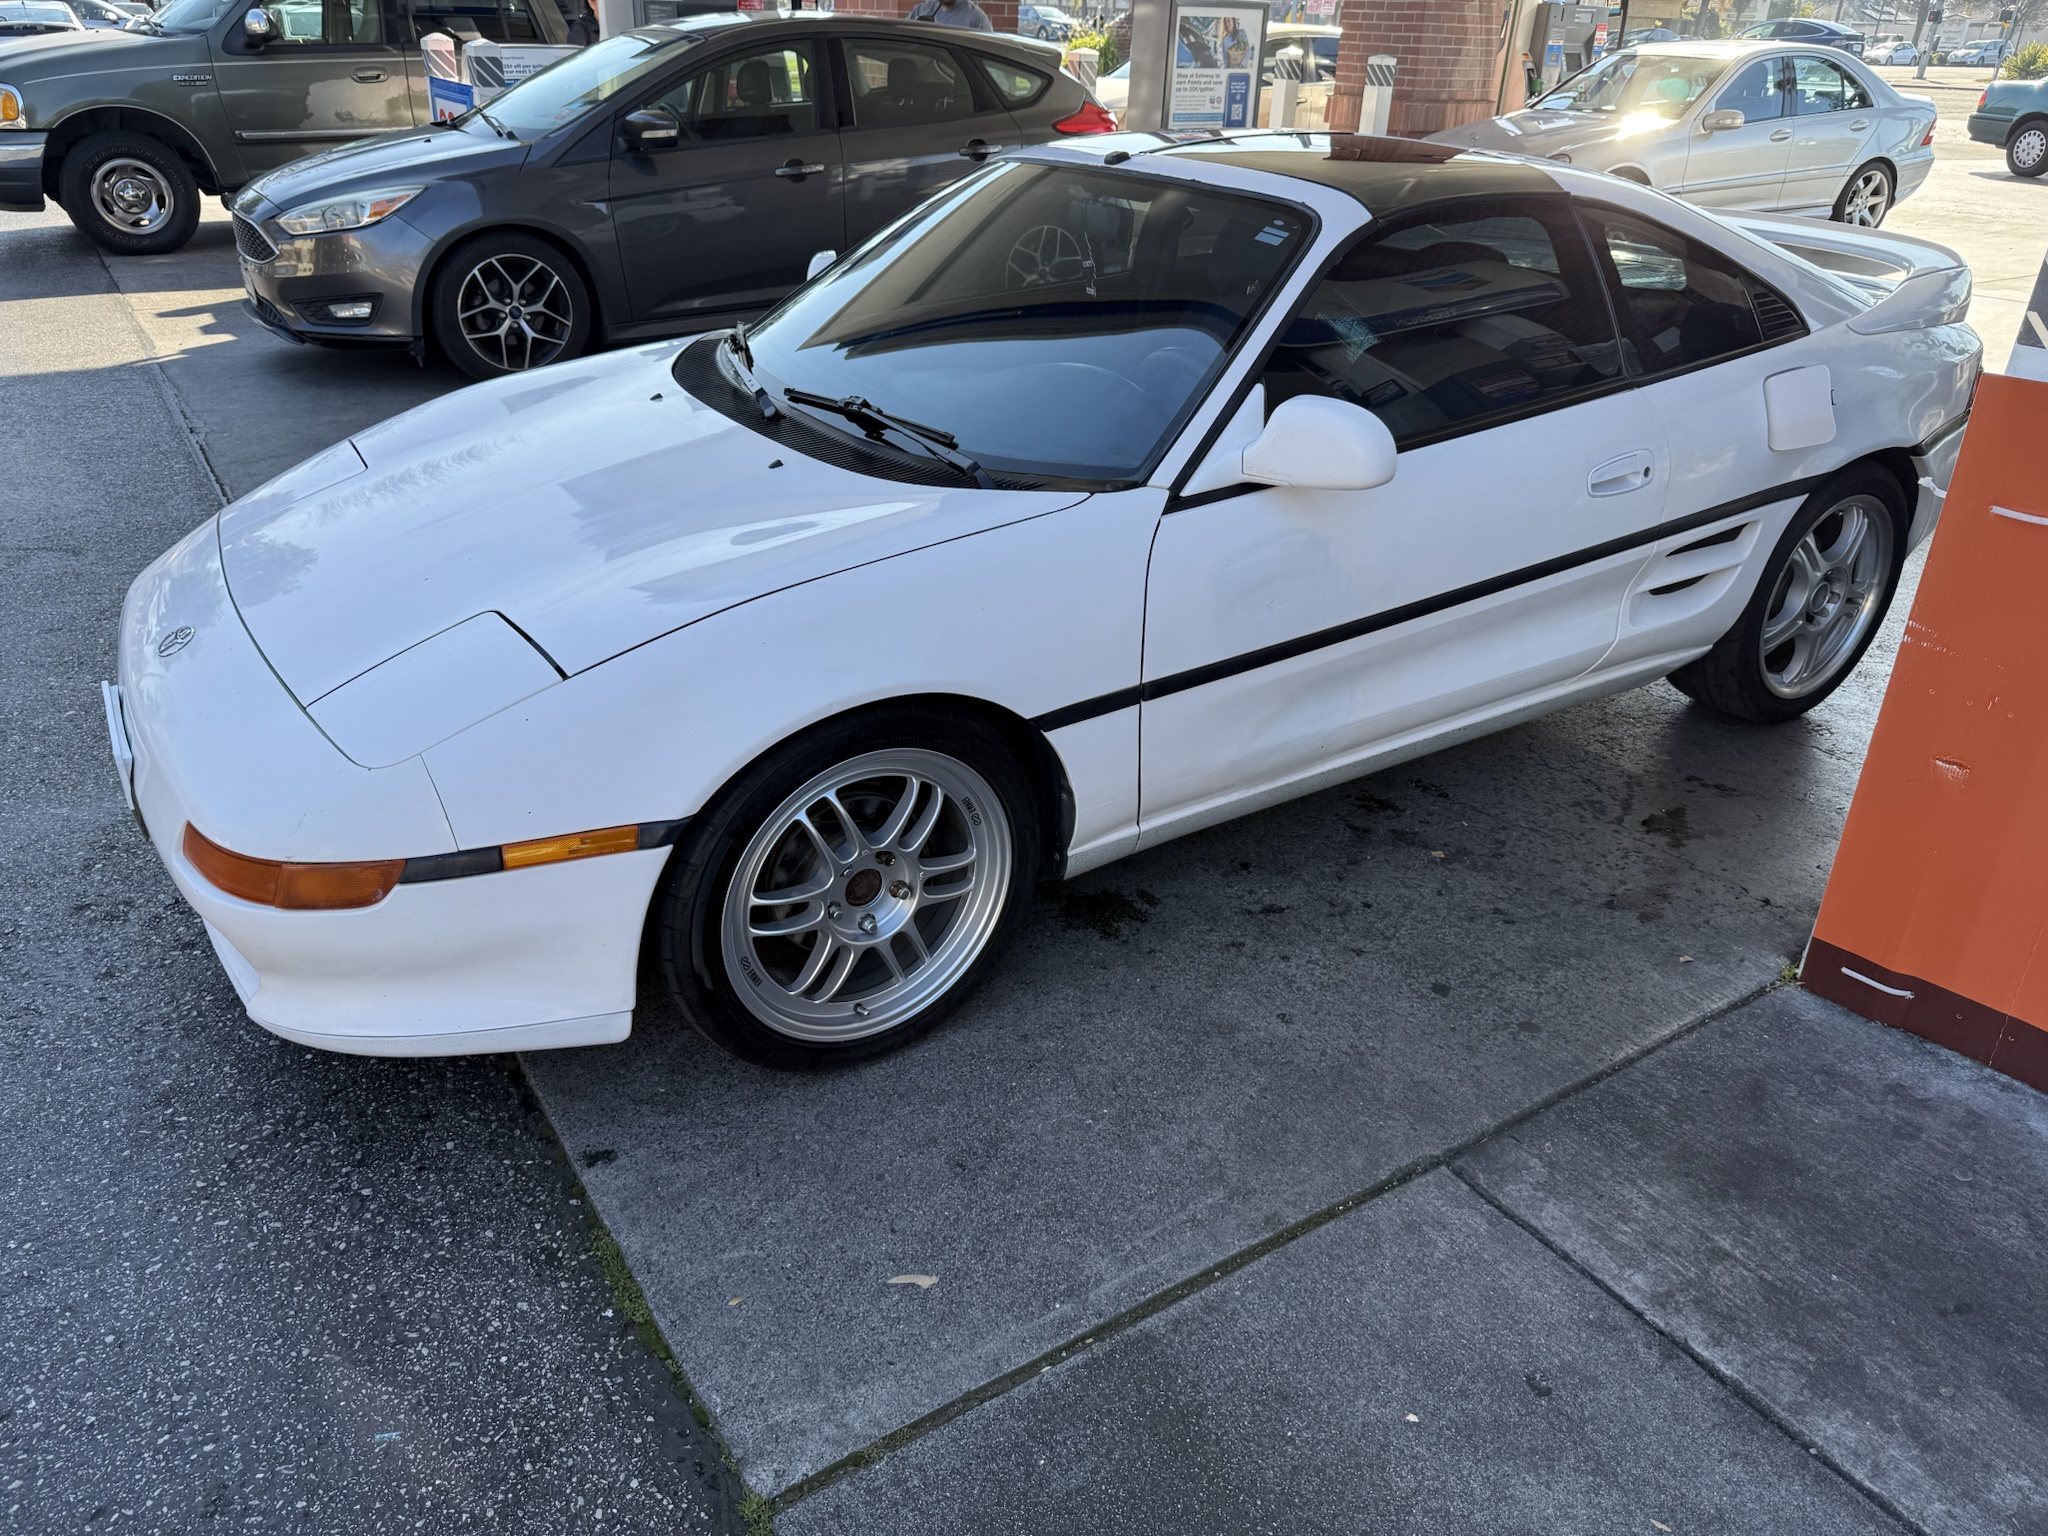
column 2029, row 148
column 514, row 311
column 133, row 196
column 1825, row 599
column 1870, row 194
column 868, row 893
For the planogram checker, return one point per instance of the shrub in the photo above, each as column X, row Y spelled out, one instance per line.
column 1102, row 43
column 2030, row 63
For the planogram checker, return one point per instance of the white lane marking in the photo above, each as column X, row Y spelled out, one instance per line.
column 1859, row 976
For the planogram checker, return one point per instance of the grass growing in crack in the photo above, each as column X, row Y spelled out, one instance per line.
column 759, row 1515
column 1789, row 974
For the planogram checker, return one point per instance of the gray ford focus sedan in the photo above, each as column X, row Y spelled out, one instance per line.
column 665, row 180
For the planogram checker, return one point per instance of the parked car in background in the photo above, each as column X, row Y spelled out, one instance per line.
column 1892, row 52
column 2013, row 114
column 1977, row 53
column 663, row 180
column 1810, row 31
column 1113, row 90
column 1319, row 43
column 127, row 129
column 1045, row 22
column 105, row 13
column 31, row 18
column 1732, row 125
column 794, row 660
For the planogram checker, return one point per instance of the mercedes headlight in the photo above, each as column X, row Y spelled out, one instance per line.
column 358, row 211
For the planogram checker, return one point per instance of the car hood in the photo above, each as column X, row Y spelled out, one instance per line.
column 50, row 55
column 593, row 504
column 410, row 154
column 1544, row 134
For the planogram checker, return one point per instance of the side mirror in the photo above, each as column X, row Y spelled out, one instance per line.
column 650, row 130
column 1321, row 444
column 258, row 27
column 819, row 263
column 1722, row 121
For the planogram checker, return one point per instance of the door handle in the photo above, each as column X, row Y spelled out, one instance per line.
column 1622, row 474
column 369, row 76
column 797, row 170
column 1860, row 124
column 979, row 149
column 1781, row 135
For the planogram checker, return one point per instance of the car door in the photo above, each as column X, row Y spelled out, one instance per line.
column 1742, row 167
column 1832, row 119
column 728, row 220
column 1702, row 334
column 1291, row 632
column 334, row 72
column 917, row 118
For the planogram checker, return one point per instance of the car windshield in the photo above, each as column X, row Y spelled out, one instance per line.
column 587, row 78
column 55, row 15
column 1665, row 84
column 1059, row 322
column 188, row 15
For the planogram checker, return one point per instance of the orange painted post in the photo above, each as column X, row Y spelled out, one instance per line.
column 1937, row 909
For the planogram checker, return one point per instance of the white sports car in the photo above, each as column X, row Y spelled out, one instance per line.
column 1119, row 490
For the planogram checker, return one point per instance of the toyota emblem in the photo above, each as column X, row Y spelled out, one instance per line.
column 175, row 641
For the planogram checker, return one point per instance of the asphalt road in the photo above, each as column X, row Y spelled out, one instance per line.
column 244, row 1285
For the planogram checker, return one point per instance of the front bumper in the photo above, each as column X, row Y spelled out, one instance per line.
column 290, row 290
column 21, row 172
column 1987, row 129
column 518, row 960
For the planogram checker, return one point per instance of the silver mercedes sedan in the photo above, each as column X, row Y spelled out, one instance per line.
column 1766, row 126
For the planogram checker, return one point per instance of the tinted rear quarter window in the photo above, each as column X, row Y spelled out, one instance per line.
column 1683, row 304
column 1017, row 86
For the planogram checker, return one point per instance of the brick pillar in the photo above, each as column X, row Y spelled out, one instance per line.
column 1002, row 14
column 1449, row 53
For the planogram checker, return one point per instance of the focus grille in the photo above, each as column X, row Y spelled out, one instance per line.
column 252, row 242
column 1779, row 320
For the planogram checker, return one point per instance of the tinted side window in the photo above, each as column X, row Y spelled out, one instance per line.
column 1681, row 303
column 328, row 21
column 496, row 21
column 1819, row 86
column 898, row 84
column 1015, row 84
column 1451, row 324
column 752, row 96
column 1758, row 93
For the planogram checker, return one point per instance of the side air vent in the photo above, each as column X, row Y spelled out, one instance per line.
column 1779, row 320
column 1725, row 536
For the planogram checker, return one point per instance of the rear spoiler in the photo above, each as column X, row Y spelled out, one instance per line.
column 1876, row 261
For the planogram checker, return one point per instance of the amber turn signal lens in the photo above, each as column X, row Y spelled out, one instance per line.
column 574, row 845
column 298, row 887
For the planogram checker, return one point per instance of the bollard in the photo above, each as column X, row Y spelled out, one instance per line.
column 1085, row 65
column 1377, row 99
column 1287, row 76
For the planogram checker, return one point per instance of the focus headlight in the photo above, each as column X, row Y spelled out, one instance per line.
column 11, row 113
column 355, row 212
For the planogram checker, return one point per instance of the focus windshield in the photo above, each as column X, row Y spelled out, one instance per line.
column 1057, row 321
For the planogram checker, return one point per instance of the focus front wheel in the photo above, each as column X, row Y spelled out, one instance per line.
column 850, row 890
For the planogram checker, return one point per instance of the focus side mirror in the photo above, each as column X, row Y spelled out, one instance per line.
column 1320, row 444
column 258, row 27
column 650, row 130
column 819, row 263
column 1722, row 121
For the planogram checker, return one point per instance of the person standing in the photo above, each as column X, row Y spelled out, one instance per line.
column 952, row 13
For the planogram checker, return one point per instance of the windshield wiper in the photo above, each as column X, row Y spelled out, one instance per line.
column 496, row 127
column 936, row 441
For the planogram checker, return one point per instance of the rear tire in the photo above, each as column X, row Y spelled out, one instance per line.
column 129, row 194
column 1867, row 197
column 908, row 843
column 1823, row 595
column 2026, row 152
column 505, row 302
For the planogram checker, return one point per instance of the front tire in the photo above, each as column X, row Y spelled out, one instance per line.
column 2026, row 152
column 1824, row 593
column 129, row 194
column 850, row 890
column 1867, row 198
column 505, row 302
